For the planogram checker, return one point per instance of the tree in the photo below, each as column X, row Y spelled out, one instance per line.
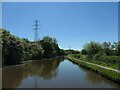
column 108, row 48
column 50, row 47
column 92, row 48
column 12, row 49
column 118, row 49
column 36, row 51
column 15, row 50
column 83, row 51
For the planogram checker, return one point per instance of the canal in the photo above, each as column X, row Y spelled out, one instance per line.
column 53, row 73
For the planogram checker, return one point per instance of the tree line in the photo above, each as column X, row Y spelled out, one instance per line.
column 107, row 48
column 106, row 53
column 16, row 50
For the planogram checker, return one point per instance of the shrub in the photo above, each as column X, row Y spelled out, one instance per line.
column 12, row 51
column 15, row 50
column 92, row 48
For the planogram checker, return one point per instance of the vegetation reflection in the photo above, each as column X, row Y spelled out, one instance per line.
column 46, row 69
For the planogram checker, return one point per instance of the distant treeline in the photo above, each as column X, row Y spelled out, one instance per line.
column 106, row 48
column 15, row 50
column 106, row 53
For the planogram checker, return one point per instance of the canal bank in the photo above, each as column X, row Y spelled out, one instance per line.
column 53, row 73
column 111, row 74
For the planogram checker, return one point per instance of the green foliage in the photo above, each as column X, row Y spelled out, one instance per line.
column 62, row 52
column 111, row 48
column 117, row 48
column 84, row 52
column 36, row 51
column 12, row 49
column 72, row 52
column 110, row 59
column 100, row 58
column 106, row 54
column 106, row 48
column 98, row 55
column 16, row 50
column 50, row 47
column 92, row 48
column 75, row 55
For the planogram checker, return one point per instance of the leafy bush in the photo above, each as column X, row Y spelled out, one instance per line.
column 12, row 49
column 92, row 48
column 98, row 55
column 84, row 52
column 110, row 59
column 15, row 50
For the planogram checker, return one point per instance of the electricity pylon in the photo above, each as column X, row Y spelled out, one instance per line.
column 36, row 27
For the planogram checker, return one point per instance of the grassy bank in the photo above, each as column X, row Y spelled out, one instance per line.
column 112, row 75
column 107, row 61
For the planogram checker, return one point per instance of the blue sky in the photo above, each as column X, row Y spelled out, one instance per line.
column 72, row 24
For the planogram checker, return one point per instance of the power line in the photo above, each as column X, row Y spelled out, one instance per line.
column 19, row 13
column 9, row 18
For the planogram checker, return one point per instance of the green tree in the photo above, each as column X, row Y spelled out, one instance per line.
column 12, row 49
column 50, row 47
column 84, row 52
column 92, row 48
column 118, row 49
column 107, row 48
column 15, row 50
column 36, row 51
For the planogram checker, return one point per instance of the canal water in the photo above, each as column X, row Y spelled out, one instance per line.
column 53, row 73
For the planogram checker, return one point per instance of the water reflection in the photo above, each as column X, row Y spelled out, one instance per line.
column 53, row 73
column 47, row 69
column 96, row 78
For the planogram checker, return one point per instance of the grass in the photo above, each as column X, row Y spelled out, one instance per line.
column 114, row 65
column 112, row 75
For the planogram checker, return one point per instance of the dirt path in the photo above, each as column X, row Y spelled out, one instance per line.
column 118, row 71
